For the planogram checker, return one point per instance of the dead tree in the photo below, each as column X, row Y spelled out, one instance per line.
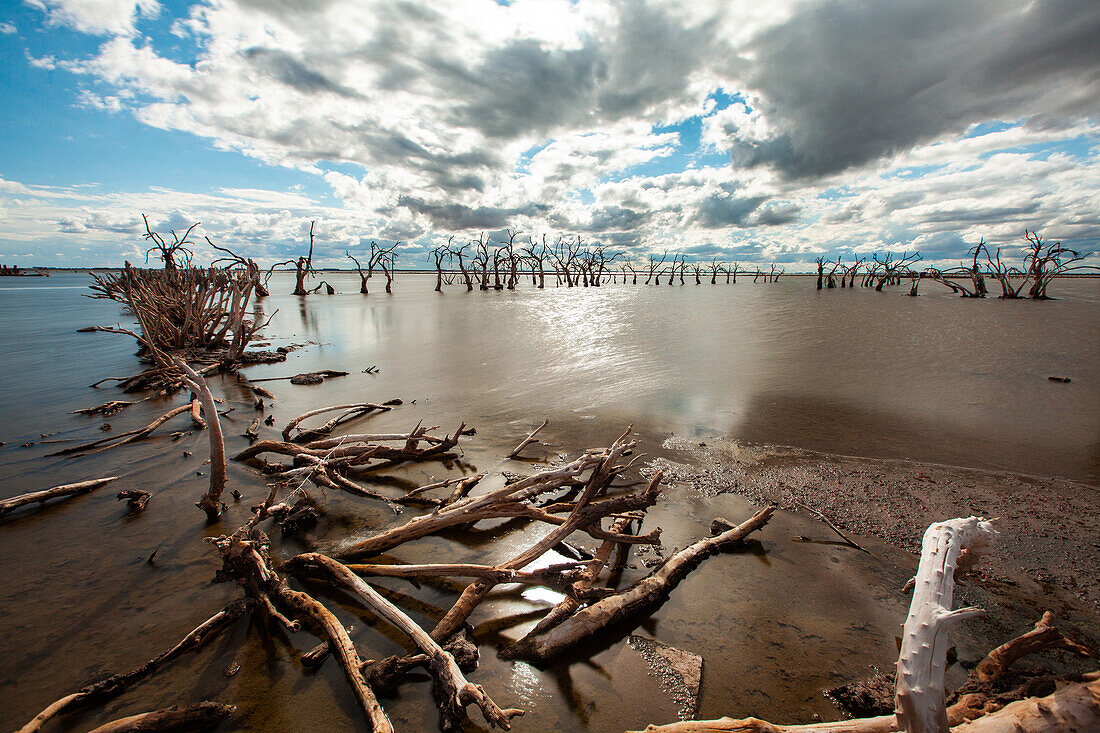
column 820, row 271
column 537, row 256
column 251, row 268
column 179, row 248
column 654, row 269
column 303, row 268
column 697, row 270
column 1005, row 274
column 438, row 254
column 715, row 268
column 1044, row 262
column 830, row 280
column 481, row 259
column 512, row 258
column 458, row 254
column 732, row 271
column 362, row 277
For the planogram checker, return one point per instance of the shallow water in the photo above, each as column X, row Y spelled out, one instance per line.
column 855, row 372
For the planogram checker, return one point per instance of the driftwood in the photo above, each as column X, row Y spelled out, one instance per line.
column 328, row 462
column 245, row 559
column 210, row 502
column 511, row 500
column 350, row 411
column 178, row 719
column 115, row 685
column 529, row 439
column 921, row 699
column 130, row 436
column 545, row 645
column 83, row 487
column 1045, row 635
column 452, row 690
column 135, row 498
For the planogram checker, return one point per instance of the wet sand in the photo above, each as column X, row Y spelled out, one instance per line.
column 1048, row 551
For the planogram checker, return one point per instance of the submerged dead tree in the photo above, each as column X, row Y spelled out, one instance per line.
column 303, row 268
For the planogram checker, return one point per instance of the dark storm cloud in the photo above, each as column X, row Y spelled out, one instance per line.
column 523, row 87
column 294, row 73
column 460, row 216
column 719, row 212
column 851, row 81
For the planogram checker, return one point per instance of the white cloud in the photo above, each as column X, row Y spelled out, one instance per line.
column 115, row 17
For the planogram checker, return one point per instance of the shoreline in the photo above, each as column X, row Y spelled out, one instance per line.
column 1049, row 544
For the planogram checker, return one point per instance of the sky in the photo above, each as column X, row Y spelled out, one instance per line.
column 757, row 132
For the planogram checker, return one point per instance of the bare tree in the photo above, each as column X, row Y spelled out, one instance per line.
column 250, row 266
column 304, row 266
column 654, row 266
column 1044, row 262
column 536, row 256
column 169, row 252
column 458, row 253
column 438, row 254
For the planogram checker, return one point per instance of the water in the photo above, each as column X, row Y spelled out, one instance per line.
column 934, row 378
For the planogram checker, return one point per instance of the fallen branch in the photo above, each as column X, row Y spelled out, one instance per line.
column 115, row 685
column 210, row 502
column 352, row 410
column 83, row 487
column 452, row 690
column 646, row 593
column 130, row 436
column 529, row 439
column 197, row 717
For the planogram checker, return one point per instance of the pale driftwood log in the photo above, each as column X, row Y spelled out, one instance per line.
column 355, row 408
column 82, row 487
column 244, row 556
column 178, row 719
column 647, row 592
column 1072, row 708
column 210, row 502
column 113, row 441
column 921, row 697
column 115, row 685
column 529, row 439
column 452, row 690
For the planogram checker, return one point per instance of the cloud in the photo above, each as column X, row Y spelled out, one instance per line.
column 843, row 123
column 100, row 17
column 847, row 81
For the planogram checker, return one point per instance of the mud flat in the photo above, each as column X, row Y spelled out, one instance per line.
column 1050, row 527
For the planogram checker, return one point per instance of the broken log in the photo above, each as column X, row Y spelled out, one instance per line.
column 921, row 700
column 210, row 502
column 115, row 685
column 529, row 439
column 83, row 487
column 452, row 690
column 177, row 719
column 135, row 498
column 646, row 593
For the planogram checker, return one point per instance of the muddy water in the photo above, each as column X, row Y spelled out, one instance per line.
column 933, row 378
